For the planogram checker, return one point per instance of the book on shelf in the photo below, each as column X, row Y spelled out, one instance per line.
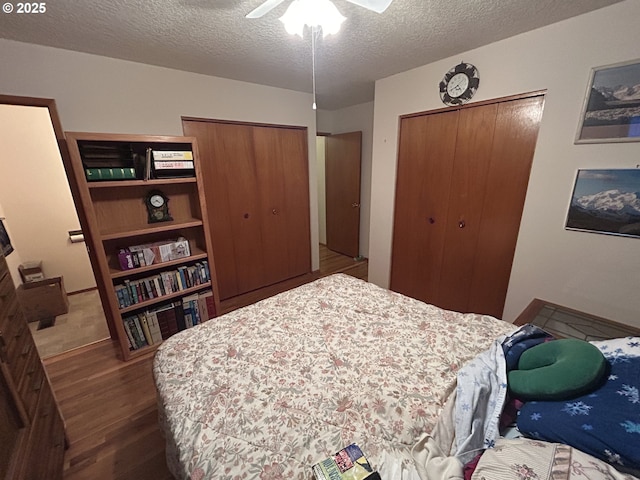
column 145, row 328
column 206, row 305
column 132, row 326
column 165, row 316
column 190, row 308
column 154, row 327
column 147, row 164
column 103, row 173
column 180, row 318
column 347, row 464
column 127, row 329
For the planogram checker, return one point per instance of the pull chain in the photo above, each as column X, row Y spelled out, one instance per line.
column 314, row 31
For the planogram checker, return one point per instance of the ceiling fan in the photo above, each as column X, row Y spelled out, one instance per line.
column 377, row 6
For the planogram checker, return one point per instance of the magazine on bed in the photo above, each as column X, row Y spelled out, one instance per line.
column 347, row 464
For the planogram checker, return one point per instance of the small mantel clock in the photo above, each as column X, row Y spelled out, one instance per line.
column 157, row 207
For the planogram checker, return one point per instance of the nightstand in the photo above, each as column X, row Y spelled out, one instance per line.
column 563, row 322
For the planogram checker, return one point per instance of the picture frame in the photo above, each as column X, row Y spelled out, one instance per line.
column 606, row 201
column 5, row 244
column 611, row 108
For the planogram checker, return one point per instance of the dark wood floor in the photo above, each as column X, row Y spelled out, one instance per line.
column 110, row 406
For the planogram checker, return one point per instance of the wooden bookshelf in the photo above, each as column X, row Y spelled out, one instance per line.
column 117, row 218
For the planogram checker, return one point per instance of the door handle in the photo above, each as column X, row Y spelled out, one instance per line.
column 462, row 224
column 355, row 205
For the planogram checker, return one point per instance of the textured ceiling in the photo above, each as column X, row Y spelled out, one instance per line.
column 213, row 37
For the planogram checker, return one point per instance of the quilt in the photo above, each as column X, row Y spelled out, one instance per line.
column 268, row 390
column 604, row 423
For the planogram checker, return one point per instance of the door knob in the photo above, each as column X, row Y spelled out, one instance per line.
column 274, row 211
column 355, row 205
column 461, row 224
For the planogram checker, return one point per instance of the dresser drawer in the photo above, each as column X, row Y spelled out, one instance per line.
column 12, row 322
column 7, row 291
column 32, row 382
column 46, row 440
column 20, row 349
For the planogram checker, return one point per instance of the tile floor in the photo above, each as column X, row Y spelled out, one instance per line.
column 84, row 324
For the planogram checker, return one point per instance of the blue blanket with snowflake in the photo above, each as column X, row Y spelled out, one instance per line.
column 604, row 423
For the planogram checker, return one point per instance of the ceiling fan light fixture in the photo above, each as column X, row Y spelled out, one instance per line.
column 314, row 13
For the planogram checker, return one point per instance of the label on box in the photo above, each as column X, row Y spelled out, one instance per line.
column 33, row 277
column 172, row 165
column 173, row 155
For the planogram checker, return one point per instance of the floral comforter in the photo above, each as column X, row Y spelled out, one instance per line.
column 268, row 390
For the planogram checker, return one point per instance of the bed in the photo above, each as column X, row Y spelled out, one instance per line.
column 271, row 389
column 268, row 390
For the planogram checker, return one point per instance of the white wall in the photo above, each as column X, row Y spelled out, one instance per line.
column 591, row 272
column 39, row 208
column 353, row 119
column 99, row 94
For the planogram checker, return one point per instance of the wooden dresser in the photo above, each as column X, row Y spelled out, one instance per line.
column 32, row 436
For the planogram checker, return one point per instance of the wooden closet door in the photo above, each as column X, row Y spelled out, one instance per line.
column 466, row 194
column 283, row 195
column 425, row 165
column 231, row 184
column 469, row 182
column 514, row 143
column 256, row 181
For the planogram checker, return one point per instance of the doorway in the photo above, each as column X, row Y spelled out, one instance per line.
column 39, row 215
column 339, row 207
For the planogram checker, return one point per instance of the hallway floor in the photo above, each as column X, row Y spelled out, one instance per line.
column 84, row 324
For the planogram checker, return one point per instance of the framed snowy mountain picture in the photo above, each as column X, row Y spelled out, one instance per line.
column 611, row 110
column 606, row 201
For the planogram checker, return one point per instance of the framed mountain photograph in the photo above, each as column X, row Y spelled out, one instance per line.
column 611, row 110
column 606, row 201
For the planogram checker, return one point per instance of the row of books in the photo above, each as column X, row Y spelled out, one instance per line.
column 164, row 283
column 153, row 326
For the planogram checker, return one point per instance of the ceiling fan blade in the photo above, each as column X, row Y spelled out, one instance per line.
column 263, row 9
column 377, row 6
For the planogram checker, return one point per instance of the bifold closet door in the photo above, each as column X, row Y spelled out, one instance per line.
column 283, row 196
column 425, row 164
column 256, row 183
column 231, row 182
column 467, row 190
column 461, row 184
column 514, row 144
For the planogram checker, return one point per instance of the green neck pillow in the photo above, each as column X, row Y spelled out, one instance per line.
column 558, row 370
